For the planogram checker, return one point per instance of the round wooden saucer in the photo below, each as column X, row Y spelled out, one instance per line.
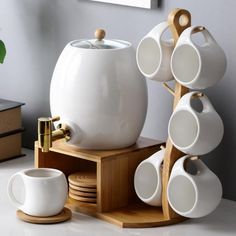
column 82, row 194
column 83, row 179
column 83, row 189
column 83, row 199
column 64, row 215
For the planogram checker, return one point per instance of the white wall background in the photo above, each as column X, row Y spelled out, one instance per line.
column 35, row 32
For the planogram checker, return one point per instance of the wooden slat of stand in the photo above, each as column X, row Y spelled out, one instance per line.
column 138, row 215
column 98, row 155
column 134, row 215
column 179, row 20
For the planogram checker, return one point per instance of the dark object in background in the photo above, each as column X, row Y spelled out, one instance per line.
column 10, row 129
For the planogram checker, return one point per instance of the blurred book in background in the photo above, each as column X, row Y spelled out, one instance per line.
column 10, row 129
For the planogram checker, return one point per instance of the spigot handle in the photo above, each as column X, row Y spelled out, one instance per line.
column 56, row 118
column 45, row 124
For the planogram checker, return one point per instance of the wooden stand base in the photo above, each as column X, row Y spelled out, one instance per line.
column 117, row 202
column 136, row 215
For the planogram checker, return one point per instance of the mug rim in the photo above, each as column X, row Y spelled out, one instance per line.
column 199, row 68
column 190, row 110
column 153, row 74
column 156, row 155
column 159, row 183
column 58, row 173
column 188, row 176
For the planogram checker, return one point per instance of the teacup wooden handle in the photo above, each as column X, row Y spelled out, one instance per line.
column 198, row 29
column 197, row 95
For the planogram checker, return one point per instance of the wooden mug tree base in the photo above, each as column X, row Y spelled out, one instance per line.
column 117, row 202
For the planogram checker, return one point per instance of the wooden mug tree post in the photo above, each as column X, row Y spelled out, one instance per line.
column 179, row 20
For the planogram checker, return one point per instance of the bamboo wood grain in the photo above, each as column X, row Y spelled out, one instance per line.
column 64, row 215
column 83, row 189
column 85, row 179
column 114, row 168
column 135, row 215
column 138, row 215
column 115, row 179
column 83, row 194
column 82, row 199
column 117, row 202
column 179, row 20
column 60, row 146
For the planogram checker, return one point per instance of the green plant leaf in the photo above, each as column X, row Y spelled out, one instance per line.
column 2, row 51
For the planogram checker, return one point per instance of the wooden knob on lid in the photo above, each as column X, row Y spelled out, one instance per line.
column 100, row 34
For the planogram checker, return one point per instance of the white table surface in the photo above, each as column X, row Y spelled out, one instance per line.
column 221, row 222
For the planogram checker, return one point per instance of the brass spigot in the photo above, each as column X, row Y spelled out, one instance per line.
column 46, row 135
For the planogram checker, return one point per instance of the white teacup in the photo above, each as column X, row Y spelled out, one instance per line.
column 45, row 191
column 193, row 195
column 194, row 66
column 153, row 54
column 194, row 132
column 148, row 179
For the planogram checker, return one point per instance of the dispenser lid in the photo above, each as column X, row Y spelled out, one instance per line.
column 99, row 42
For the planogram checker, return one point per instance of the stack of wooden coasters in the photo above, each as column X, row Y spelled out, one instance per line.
column 83, row 186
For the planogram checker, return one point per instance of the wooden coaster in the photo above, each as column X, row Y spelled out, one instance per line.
column 83, row 189
column 83, row 199
column 61, row 217
column 83, row 179
column 82, row 194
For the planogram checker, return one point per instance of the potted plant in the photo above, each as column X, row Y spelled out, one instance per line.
column 2, row 51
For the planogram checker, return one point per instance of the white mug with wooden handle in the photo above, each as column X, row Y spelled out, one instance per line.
column 197, row 66
column 195, row 132
column 153, row 54
column 193, row 195
column 148, row 179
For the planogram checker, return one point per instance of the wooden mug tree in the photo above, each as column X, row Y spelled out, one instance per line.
column 179, row 20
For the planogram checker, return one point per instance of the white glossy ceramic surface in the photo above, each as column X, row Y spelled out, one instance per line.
column 154, row 53
column 190, row 195
column 148, row 179
column 45, row 191
column 193, row 132
column 197, row 66
column 100, row 94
